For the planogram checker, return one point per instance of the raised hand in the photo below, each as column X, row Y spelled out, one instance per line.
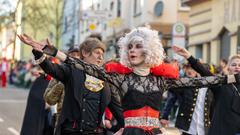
column 34, row 44
column 181, row 51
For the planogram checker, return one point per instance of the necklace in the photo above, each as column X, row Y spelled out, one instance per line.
column 236, row 89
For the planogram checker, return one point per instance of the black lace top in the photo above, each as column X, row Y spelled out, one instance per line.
column 138, row 91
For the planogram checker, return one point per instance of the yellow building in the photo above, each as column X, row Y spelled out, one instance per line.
column 214, row 31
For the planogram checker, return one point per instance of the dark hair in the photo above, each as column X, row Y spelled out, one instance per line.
column 96, row 35
column 224, row 61
column 89, row 45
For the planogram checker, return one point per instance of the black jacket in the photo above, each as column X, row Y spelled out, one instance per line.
column 34, row 121
column 226, row 115
column 187, row 103
column 80, row 104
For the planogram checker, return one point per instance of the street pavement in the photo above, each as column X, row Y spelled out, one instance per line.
column 12, row 108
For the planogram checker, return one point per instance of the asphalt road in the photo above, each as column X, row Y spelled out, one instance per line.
column 12, row 107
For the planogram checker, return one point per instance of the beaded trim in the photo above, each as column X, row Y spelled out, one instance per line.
column 142, row 122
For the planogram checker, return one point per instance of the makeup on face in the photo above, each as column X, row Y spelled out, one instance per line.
column 136, row 54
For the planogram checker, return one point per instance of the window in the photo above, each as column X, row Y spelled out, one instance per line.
column 183, row 6
column 98, row 6
column 119, row 8
column 111, row 6
column 199, row 51
column 238, row 40
column 208, row 52
column 225, row 41
column 137, row 9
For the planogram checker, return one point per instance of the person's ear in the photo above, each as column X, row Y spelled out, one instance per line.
column 85, row 54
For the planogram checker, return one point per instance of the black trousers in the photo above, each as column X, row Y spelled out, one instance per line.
column 185, row 133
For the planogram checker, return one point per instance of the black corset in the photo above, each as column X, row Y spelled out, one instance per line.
column 136, row 99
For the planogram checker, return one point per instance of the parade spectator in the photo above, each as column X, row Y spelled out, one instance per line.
column 4, row 71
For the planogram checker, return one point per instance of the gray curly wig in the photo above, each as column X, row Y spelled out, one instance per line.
column 153, row 50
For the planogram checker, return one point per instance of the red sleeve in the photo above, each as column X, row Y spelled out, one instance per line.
column 117, row 67
column 108, row 114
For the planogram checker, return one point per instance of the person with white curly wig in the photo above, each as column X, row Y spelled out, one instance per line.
column 141, row 90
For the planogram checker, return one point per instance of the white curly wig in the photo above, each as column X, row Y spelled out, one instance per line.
column 153, row 50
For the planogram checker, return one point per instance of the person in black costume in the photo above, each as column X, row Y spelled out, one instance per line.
column 36, row 117
column 86, row 97
column 193, row 116
column 226, row 115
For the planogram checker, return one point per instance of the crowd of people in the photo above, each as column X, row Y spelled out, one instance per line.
column 22, row 73
column 82, row 97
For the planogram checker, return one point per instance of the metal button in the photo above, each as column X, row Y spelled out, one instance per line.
column 83, row 110
column 192, row 109
column 181, row 114
column 82, row 121
column 194, row 99
column 189, row 119
column 194, row 104
column 84, row 100
column 81, row 130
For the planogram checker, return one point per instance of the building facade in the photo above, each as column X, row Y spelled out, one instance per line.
column 160, row 15
column 71, row 23
column 214, row 29
column 9, row 43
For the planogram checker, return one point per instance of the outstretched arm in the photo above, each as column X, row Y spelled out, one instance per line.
column 209, row 81
column 90, row 69
column 195, row 64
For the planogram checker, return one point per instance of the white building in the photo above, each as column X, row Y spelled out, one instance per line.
column 71, row 23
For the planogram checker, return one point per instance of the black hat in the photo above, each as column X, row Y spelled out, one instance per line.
column 73, row 48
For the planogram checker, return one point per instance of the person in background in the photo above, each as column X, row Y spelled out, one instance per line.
column 194, row 108
column 226, row 115
column 4, row 71
column 222, row 69
column 36, row 117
